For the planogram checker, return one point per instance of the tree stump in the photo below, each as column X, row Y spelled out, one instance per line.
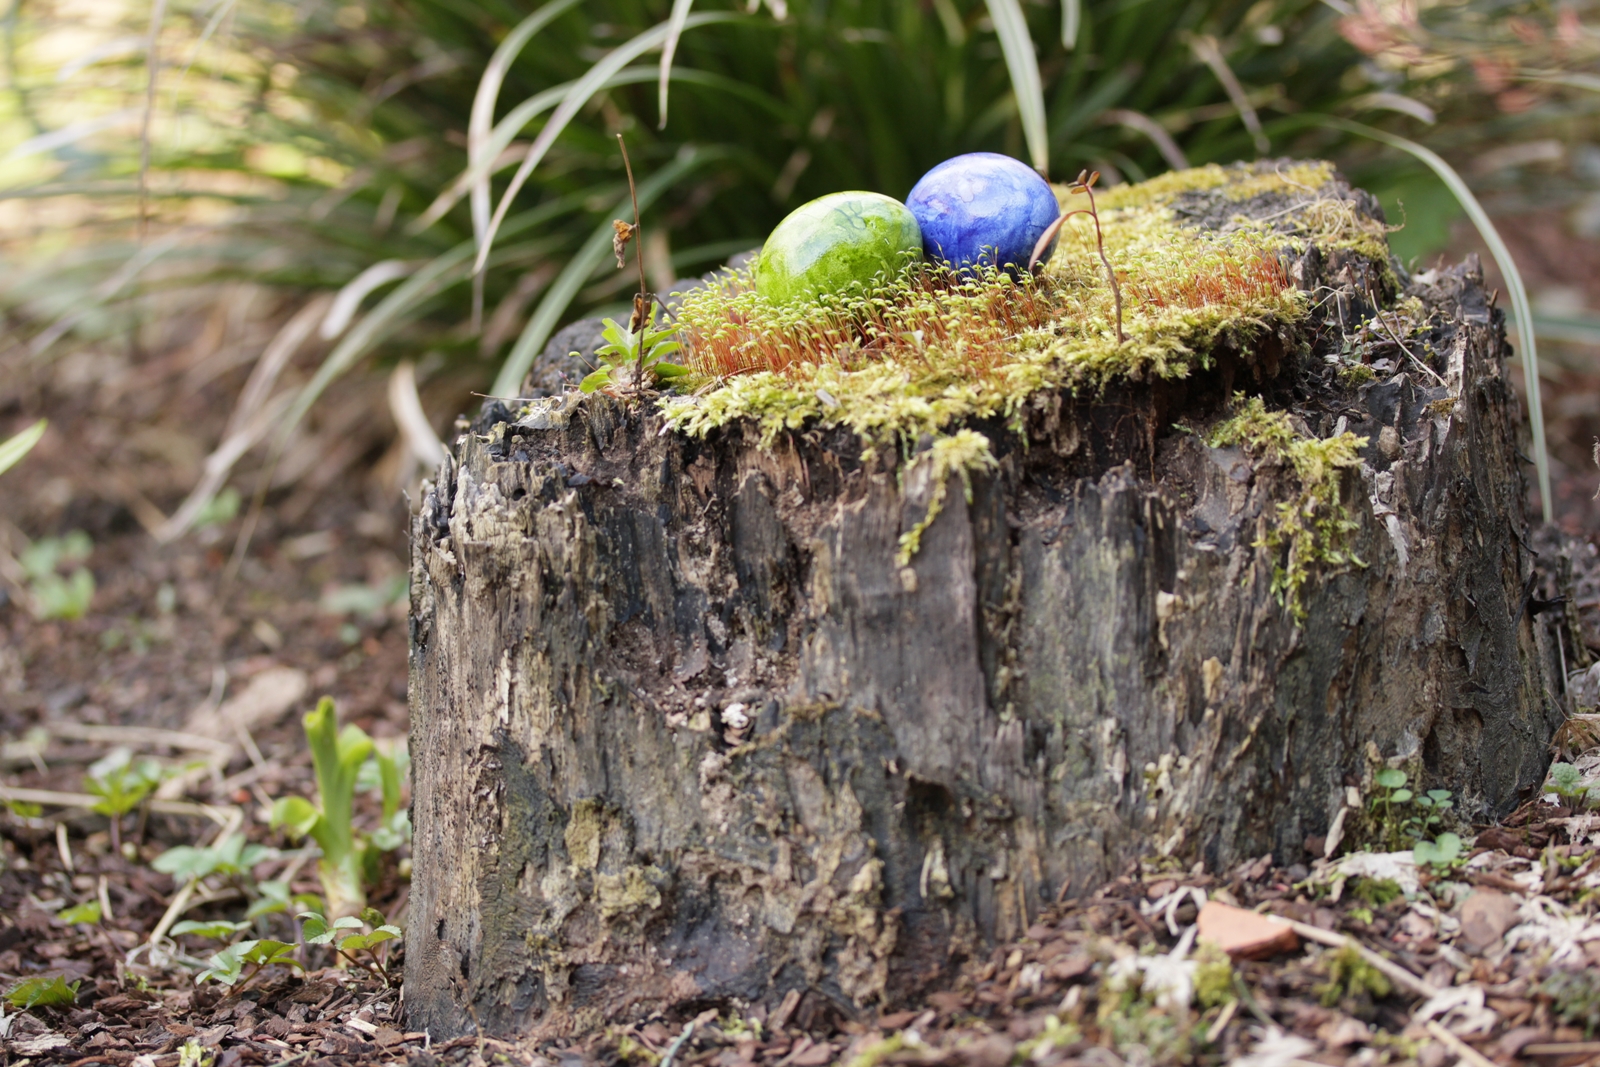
column 685, row 731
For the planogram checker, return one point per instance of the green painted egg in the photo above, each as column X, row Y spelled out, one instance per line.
column 836, row 243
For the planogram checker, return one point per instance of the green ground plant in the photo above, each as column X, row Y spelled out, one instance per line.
column 55, row 595
column 1402, row 816
column 356, row 940
column 1575, row 998
column 1352, row 980
column 1566, row 781
column 628, row 354
column 341, row 758
column 44, row 991
column 122, row 781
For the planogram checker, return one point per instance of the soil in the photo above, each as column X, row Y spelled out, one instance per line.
column 175, row 631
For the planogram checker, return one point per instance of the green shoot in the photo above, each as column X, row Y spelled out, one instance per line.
column 1566, row 781
column 56, row 596
column 13, row 448
column 276, row 898
column 337, row 756
column 1443, row 854
column 228, row 965
column 42, row 992
column 386, row 771
column 121, row 782
column 628, row 357
column 346, row 937
column 232, row 856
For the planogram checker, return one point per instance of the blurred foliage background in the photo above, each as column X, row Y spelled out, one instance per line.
column 307, row 163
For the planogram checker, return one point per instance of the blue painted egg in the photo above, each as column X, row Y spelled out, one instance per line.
column 982, row 208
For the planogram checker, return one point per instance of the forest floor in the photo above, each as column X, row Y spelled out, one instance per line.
column 176, row 640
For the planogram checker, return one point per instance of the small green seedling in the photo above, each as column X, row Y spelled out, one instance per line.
column 227, row 966
column 1401, row 815
column 55, row 596
column 1443, row 854
column 88, row 913
column 121, row 782
column 1566, row 781
column 194, row 1054
column 220, row 509
column 231, row 857
column 337, row 756
column 627, row 352
column 347, row 937
column 42, row 992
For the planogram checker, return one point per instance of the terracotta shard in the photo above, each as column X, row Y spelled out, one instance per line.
column 1244, row 934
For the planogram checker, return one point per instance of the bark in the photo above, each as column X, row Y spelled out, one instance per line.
column 1082, row 666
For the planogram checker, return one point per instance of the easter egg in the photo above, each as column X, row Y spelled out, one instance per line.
column 837, row 243
column 982, row 208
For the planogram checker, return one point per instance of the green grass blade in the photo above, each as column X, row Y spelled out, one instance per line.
column 1520, row 307
column 481, row 120
column 680, row 14
column 1071, row 17
column 580, row 94
column 12, row 449
column 1022, row 63
column 594, row 252
column 505, row 131
column 391, row 311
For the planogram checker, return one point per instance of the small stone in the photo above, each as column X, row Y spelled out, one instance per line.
column 1244, row 934
column 835, row 244
column 983, row 207
column 1485, row 917
column 735, row 716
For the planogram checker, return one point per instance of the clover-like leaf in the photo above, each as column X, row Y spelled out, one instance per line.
column 1391, row 778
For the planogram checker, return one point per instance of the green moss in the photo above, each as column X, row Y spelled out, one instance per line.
column 1351, row 976
column 1354, row 374
column 961, row 453
column 1213, row 976
column 1313, row 528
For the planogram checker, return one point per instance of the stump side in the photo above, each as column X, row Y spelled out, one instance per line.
column 1084, row 664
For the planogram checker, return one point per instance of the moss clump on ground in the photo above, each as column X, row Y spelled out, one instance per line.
column 1314, row 527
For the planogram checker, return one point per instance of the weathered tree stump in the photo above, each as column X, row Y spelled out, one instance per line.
column 685, row 731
